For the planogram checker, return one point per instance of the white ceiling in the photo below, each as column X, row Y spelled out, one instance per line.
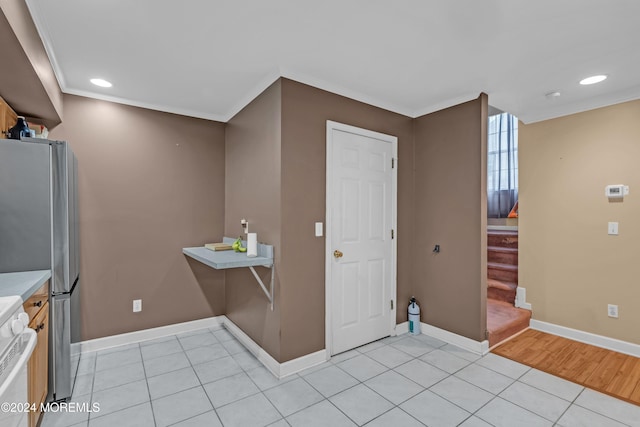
column 209, row 58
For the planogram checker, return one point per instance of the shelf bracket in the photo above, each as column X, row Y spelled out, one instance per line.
column 221, row 260
column 268, row 293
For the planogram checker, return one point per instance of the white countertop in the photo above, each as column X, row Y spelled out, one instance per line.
column 23, row 283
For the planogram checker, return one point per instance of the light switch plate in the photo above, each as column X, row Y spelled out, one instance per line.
column 318, row 229
column 613, row 228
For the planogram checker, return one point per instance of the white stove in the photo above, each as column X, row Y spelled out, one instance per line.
column 16, row 345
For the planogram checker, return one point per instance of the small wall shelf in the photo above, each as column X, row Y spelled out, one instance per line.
column 221, row 260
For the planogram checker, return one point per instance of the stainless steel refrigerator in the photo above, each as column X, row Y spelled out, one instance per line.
column 39, row 231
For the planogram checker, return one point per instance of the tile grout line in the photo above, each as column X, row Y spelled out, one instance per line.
column 573, row 402
column 146, row 380
column 110, row 388
column 591, row 410
column 328, row 398
column 330, row 363
column 543, row 391
column 244, row 371
column 471, row 414
column 260, row 390
column 199, row 380
column 495, row 395
column 192, row 367
column 388, row 369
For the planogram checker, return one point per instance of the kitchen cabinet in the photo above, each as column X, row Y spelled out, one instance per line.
column 37, row 307
column 8, row 118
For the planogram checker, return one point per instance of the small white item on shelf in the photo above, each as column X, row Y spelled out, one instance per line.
column 252, row 245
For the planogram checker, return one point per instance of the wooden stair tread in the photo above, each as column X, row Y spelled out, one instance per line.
column 501, row 284
column 502, row 238
column 505, row 232
column 505, row 320
column 502, row 249
column 501, row 266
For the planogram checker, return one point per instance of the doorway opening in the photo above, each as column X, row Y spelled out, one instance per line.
column 504, row 319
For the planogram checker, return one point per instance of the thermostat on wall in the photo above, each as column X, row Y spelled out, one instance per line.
column 617, row 191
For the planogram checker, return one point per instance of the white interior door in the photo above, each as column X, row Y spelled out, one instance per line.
column 361, row 201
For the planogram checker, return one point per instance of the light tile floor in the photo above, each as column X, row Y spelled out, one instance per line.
column 207, row 378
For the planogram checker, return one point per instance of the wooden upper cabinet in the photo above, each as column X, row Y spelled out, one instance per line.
column 8, row 118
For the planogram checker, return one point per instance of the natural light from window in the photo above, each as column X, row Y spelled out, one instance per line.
column 502, row 165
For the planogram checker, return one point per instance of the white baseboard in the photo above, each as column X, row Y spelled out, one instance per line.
column 521, row 299
column 145, row 335
column 301, row 363
column 265, row 358
column 481, row 348
column 280, row 370
column 477, row 347
column 587, row 337
column 402, row 328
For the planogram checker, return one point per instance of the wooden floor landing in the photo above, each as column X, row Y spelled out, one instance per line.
column 606, row 371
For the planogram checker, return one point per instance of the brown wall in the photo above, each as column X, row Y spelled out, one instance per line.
column 150, row 183
column 569, row 265
column 253, row 192
column 305, row 111
column 27, row 81
column 144, row 198
column 275, row 178
column 451, row 210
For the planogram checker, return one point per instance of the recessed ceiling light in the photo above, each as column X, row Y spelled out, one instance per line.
column 552, row 95
column 101, row 82
column 593, row 79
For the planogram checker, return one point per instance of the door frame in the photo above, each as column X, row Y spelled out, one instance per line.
column 393, row 140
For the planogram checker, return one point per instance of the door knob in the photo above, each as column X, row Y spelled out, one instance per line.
column 337, row 254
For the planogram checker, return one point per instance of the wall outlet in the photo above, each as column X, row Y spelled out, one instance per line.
column 137, row 305
column 612, row 311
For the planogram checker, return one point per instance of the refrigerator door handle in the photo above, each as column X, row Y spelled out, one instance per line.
column 73, row 287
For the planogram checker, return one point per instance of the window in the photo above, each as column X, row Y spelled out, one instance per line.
column 502, row 165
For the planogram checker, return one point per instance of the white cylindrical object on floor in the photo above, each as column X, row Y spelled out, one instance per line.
column 252, row 244
column 414, row 317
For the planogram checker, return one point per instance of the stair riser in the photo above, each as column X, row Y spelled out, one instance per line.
column 510, row 258
column 495, row 338
column 501, row 295
column 503, row 241
column 504, row 320
column 503, row 275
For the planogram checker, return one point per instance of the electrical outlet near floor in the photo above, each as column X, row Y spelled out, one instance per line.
column 612, row 310
column 137, row 305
